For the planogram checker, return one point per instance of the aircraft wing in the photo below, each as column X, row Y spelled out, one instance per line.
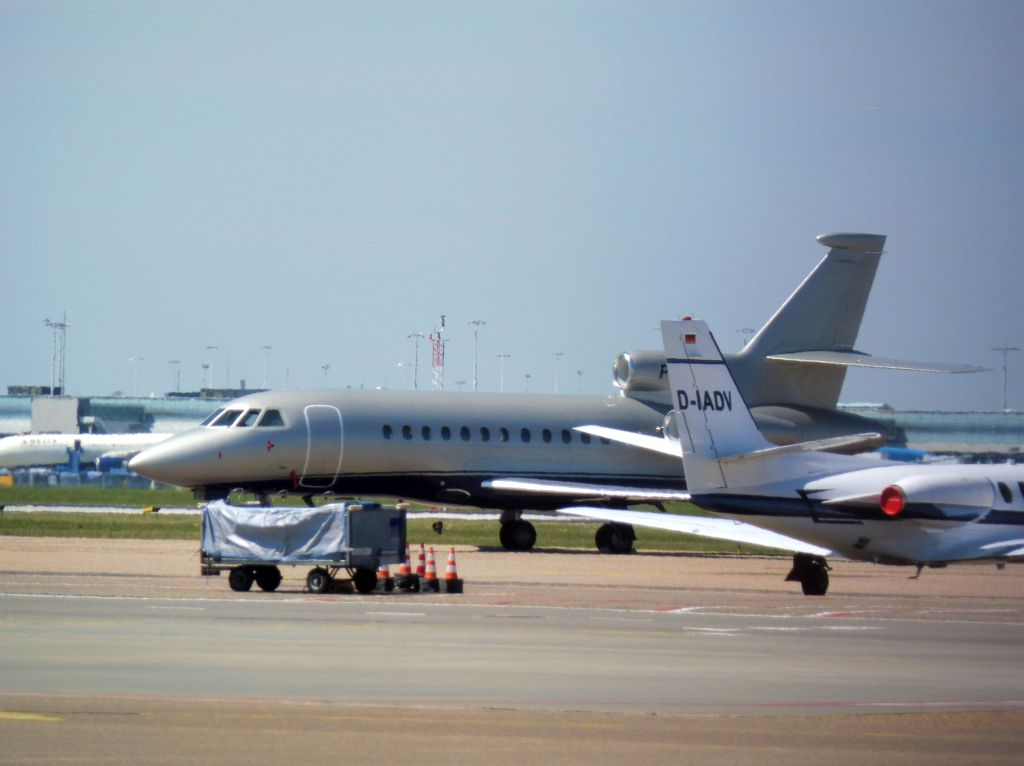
column 583, row 490
column 702, row 526
column 858, row 359
column 643, row 441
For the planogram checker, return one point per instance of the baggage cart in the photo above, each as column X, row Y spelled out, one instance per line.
column 252, row 542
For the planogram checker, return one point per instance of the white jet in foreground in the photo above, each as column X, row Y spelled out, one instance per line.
column 818, row 502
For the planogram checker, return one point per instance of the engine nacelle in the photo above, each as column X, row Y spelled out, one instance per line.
column 640, row 371
column 942, row 492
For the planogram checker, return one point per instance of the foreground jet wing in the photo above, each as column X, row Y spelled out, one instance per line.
column 717, row 528
column 859, row 359
column 584, row 490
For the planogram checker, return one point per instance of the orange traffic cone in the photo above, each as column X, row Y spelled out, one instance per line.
column 432, row 584
column 384, row 581
column 421, row 567
column 452, row 581
column 407, row 581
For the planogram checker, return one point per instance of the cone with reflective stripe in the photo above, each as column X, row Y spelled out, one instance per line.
column 452, row 581
column 407, row 581
column 421, row 567
column 385, row 582
column 431, row 583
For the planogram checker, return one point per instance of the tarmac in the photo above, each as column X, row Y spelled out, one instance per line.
column 119, row 652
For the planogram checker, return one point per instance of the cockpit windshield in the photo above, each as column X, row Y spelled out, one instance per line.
column 226, row 418
column 212, row 416
column 248, row 419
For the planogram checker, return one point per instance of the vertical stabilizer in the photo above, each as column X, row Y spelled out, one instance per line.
column 713, row 420
column 823, row 314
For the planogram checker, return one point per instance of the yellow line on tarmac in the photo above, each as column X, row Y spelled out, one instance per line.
column 10, row 715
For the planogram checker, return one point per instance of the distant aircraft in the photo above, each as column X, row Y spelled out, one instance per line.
column 514, row 452
column 28, row 450
column 855, row 505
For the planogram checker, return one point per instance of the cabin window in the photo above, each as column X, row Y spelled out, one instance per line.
column 425, row 433
column 226, row 419
column 386, row 430
column 525, row 435
column 1005, row 492
column 546, row 435
column 464, row 433
column 271, row 418
column 406, row 432
column 566, row 436
column 248, row 419
column 212, row 416
column 503, row 434
column 446, row 433
column 485, row 434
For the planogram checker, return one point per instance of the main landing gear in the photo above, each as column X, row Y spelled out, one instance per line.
column 516, row 534
column 615, row 538
column 811, row 572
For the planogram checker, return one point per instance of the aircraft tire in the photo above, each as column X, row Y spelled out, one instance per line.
column 518, row 535
column 268, row 578
column 615, row 538
column 240, row 579
column 318, row 580
column 364, row 580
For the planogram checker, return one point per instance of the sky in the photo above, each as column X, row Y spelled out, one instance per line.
column 325, row 178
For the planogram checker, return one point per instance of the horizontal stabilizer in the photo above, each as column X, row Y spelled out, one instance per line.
column 845, row 443
column 584, row 490
column 644, row 441
column 702, row 526
column 858, row 359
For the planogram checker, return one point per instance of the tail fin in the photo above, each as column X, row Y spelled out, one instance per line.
column 823, row 314
column 713, row 420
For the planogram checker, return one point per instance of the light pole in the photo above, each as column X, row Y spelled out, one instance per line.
column 325, row 367
column 558, row 358
column 1005, row 350
column 405, row 368
column 579, row 388
column 416, row 336
column 209, row 382
column 476, row 328
column 176, row 364
column 135, row 373
column 501, row 370
column 266, row 356
column 527, row 376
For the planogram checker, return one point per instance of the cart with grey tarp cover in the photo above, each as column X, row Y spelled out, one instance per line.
column 253, row 542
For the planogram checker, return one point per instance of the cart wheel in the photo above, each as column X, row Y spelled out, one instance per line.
column 240, row 578
column 268, row 578
column 318, row 580
column 365, row 580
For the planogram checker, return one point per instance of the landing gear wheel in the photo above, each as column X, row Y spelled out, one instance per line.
column 364, row 580
column 240, row 578
column 318, row 580
column 517, row 535
column 811, row 572
column 268, row 578
column 615, row 538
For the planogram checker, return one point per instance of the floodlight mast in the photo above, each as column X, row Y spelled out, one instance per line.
column 57, row 353
column 1005, row 350
column 477, row 323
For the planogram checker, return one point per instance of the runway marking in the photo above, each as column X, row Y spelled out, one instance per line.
column 10, row 715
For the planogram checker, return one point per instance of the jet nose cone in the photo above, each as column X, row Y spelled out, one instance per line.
column 162, row 462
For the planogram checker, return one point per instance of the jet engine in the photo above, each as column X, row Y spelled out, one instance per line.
column 944, row 493
column 640, row 371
